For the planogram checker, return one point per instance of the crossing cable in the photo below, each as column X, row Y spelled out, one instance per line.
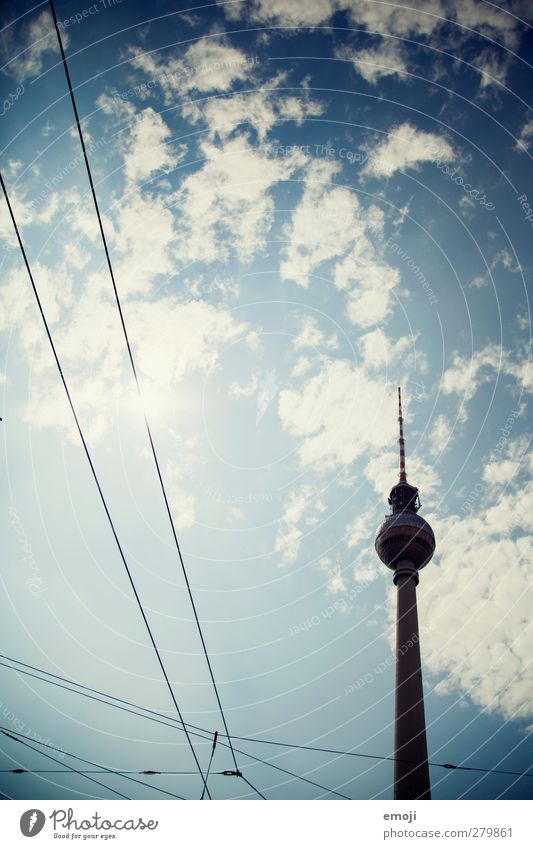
column 72, row 769
column 21, row 738
column 108, row 770
column 238, row 774
column 198, row 728
column 137, row 383
column 160, row 719
column 105, row 770
column 155, row 714
column 95, row 476
column 210, row 761
column 382, row 757
column 249, row 783
column 123, row 773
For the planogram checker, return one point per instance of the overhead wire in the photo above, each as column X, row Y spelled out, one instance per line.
column 169, row 512
column 123, row 773
column 51, row 757
column 137, row 383
column 210, row 761
column 379, row 757
column 22, row 738
column 185, row 726
column 249, row 783
column 161, row 719
column 164, row 719
column 93, row 471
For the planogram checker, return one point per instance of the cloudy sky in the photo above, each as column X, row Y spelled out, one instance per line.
column 306, row 205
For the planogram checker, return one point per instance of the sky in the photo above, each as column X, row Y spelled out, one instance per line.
column 306, row 204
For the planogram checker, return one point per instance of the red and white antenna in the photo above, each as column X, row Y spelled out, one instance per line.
column 403, row 476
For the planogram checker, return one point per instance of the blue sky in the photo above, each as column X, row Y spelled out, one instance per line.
column 305, row 207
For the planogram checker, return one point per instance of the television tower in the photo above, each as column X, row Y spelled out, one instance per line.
column 405, row 543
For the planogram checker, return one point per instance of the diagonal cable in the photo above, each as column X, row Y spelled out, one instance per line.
column 101, row 768
column 210, row 762
column 137, row 383
column 249, row 783
column 71, row 768
column 160, row 719
column 95, row 476
column 164, row 719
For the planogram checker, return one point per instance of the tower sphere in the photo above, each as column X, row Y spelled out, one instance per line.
column 405, row 536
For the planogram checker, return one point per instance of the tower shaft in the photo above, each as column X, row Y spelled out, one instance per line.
column 411, row 771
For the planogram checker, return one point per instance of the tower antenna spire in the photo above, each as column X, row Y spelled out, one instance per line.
column 403, row 475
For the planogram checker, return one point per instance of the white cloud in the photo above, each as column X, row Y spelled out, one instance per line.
column 80, row 218
column 467, row 374
column 384, row 60
column 246, row 390
column 357, row 529
column 173, row 338
column 295, row 13
column 367, row 567
column 393, row 18
column 302, row 365
column 310, row 245
column 335, row 581
column 310, row 335
column 505, row 465
column 26, row 214
column 425, row 18
column 492, row 21
column 148, row 150
column 12, row 168
column 493, row 69
column 253, row 340
column 25, row 56
column 405, row 147
column 226, row 205
column 261, row 110
column 383, row 470
column 525, row 139
column 208, row 65
column 398, row 18
column 76, row 256
column 502, row 258
column 370, row 301
column 116, row 107
column 183, row 503
column 350, row 235
column 145, row 238
column 440, row 434
column 379, row 350
column 479, row 634
column 18, row 307
column 338, row 415
column 301, row 508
